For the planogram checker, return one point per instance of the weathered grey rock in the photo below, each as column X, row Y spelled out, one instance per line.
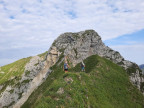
column 32, row 68
column 60, row 91
column 68, row 80
column 135, row 78
column 1, row 86
column 79, row 46
column 38, row 72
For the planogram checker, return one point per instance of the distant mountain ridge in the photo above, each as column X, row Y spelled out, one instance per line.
column 141, row 66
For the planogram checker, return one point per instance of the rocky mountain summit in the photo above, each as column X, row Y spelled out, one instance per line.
column 75, row 47
column 79, row 46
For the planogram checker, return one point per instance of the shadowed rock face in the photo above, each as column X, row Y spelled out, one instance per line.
column 75, row 47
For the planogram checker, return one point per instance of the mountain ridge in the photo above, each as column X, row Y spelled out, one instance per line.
column 141, row 66
column 103, row 84
column 76, row 47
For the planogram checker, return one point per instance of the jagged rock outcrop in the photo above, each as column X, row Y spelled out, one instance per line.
column 74, row 47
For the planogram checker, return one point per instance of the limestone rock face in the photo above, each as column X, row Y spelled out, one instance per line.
column 38, row 71
column 52, row 56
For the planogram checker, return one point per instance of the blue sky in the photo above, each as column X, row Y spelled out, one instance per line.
column 28, row 27
column 127, row 39
column 131, row 46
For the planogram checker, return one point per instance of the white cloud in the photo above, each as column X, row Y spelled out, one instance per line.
column 31, row 23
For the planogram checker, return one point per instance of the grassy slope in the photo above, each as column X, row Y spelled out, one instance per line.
column 16, row 68
column 13, row 69
column 104, row 85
